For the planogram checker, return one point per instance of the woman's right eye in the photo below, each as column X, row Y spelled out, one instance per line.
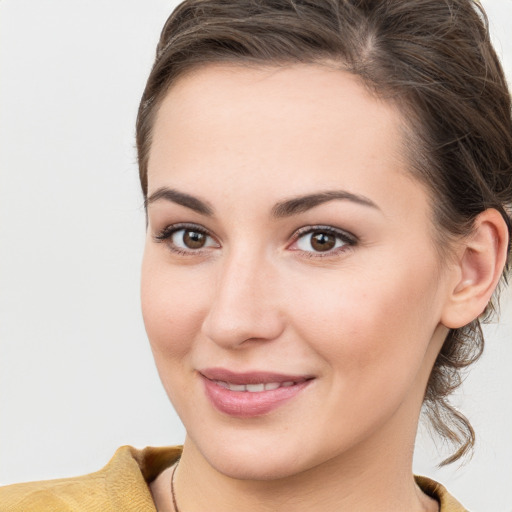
column 186, row 239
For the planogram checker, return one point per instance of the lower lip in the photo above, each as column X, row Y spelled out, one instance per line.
column 244, row 404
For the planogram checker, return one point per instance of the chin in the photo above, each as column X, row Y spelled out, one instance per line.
column 249, row 456
column 255, row 466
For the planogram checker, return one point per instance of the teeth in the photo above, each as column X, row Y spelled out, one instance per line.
column 236, row 387
column 255, row 388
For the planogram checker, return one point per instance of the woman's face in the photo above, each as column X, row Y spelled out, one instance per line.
column 291, row 287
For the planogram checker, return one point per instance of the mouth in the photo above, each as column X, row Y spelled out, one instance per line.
column 250, row 394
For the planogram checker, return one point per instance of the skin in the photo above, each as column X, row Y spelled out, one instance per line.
column 366, row 320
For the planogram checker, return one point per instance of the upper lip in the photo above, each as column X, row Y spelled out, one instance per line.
column 252, row 377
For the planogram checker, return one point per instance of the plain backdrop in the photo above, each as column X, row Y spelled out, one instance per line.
column 77, row 379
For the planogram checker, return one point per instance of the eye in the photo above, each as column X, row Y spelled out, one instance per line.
column 186, row 239
column 322, row 240
column 190, row 239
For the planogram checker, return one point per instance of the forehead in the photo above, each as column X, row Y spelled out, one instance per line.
column 278, row 130
column 294, row 101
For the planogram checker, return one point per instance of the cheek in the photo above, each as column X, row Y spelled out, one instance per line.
column 375, row 324
column 172, row 307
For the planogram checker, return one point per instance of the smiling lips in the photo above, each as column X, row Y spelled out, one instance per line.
column 246, row 395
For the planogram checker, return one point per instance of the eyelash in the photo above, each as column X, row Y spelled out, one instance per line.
column 349, row 240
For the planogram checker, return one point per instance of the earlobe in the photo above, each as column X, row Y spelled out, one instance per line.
column 483, row 255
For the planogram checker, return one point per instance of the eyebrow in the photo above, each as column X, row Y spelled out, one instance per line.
column 301, row 204
column 286, row 208
column 175, row 196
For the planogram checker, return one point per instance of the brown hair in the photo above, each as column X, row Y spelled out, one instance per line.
column 431, row 58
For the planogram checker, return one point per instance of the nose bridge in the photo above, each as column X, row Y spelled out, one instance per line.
column 244, row 303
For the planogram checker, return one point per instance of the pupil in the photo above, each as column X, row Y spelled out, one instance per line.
column 322, row 241
column 194, row 239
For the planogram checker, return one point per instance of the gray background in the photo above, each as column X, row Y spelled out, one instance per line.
column 77, row 378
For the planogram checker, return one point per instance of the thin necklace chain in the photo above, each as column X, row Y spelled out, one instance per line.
column 173, row 494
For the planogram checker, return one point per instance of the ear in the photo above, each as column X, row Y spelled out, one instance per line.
column 482, row 257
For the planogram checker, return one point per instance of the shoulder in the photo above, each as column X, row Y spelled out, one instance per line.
column 77, row 494
column 121, row 485
column 434, row 489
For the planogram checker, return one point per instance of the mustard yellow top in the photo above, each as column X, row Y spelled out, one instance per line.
column 122, row 486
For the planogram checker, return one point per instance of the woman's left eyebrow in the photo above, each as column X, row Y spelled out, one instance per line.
column 300, row 204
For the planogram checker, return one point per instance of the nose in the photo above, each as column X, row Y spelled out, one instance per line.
column 244, row 306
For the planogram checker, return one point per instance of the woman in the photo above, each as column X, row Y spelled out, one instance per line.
column 328, row 189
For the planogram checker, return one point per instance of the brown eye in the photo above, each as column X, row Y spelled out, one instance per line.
column 194, row 239
column 188, row 239
column 321, row 241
